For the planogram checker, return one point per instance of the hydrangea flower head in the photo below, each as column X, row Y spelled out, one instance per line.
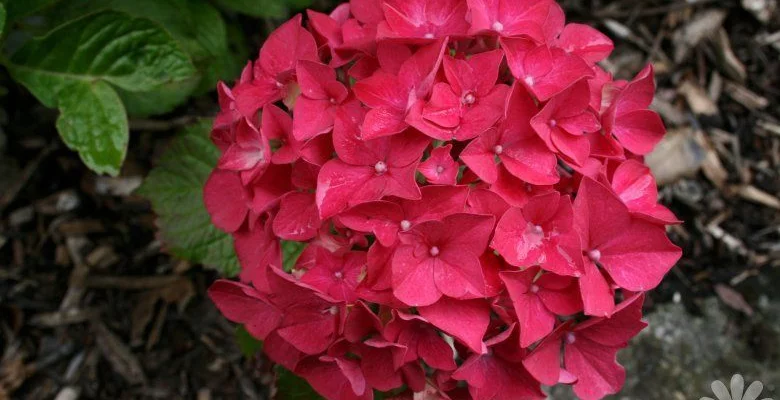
column 466, row 185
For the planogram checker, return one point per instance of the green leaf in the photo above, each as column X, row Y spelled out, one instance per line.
column 264, row 8
column 92, row 121
column 2, row 18
column 197, row 27
column 162, row 100
column 290, row 253
column 257, row 8
column 132, row 53
column 292, row 387
column 22, row 8
column 175, row 188
column 247, row 343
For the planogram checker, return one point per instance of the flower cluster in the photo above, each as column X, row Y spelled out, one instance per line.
column 468, row 189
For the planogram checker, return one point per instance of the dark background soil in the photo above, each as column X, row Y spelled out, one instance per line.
column 146, row 330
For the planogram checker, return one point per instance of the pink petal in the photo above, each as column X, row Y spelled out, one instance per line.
column 599, row 214
column 597, row 297
column 298, row 218
column 413, row 281
column 574, row 148
column 336, row 185
column 459, row 274
column 639, row 131
column 383, row 121
column 586, row 42
column 466, row 320
column 253, row 96
column 437, row 202
column 483, row 201
column 243, row 304
column 330, row 378
column 226, row 200
column 268, row 189
column 367, row 11
column 534, row 318
column 531, row 161
column 544, row 361
column 479, row 156
column 382, row 218
column 638, row 94
column 517, row 241
column 285, row 46
column 440, row 168
column 619, row 328
column 635, row 185
column 638, row 259
column 257, row 250
column 382, row 90
column 311, row 118
column 596, row 368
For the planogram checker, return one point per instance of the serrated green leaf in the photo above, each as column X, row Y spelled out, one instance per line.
column 247, row 343
column 162, row 100
column 92, row 121
column 292, row 387
column 131, row 53
column 196, row 25
column 175, row 188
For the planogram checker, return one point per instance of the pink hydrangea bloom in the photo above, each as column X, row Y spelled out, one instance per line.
column 464, row 180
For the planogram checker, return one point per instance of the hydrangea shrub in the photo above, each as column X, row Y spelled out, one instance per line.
column 465, row 189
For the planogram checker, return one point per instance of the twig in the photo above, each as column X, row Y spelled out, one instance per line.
column 11, row 193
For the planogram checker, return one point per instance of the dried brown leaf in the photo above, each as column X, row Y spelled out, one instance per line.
column 704, row 24
column 727, row 60
column 678, row 155
column 697, row 99
column 733, row 299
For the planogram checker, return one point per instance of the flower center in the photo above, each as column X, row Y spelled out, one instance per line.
column 380, row 167
column 332, row 100
column 570, row 338
column 498, row 149
column 594, row 255
column 439, row 169
column 469, row 99
column 406, row 225
column 534, row 289
column 553, row 123
column 498, row 27
column 333, row 310
column 429, row 36
column 538, row 229
column 529, row 80
column 338, row 274
column 434, row 251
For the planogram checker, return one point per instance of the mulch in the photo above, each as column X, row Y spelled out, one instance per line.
column 92, row 307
